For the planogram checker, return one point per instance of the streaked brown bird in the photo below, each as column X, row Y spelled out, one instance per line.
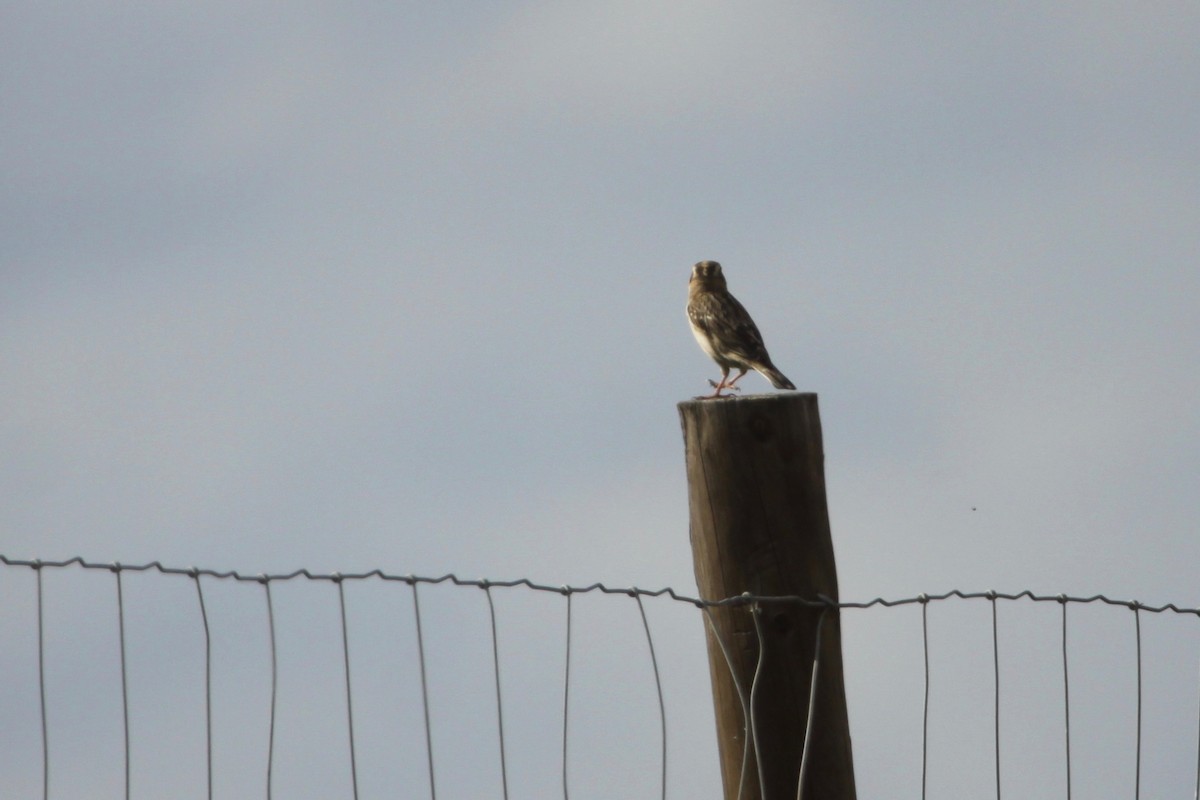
column 725, row 330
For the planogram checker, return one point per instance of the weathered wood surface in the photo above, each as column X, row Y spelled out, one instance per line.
column 760, row 524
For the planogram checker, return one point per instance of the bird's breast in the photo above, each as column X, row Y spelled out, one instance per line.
column 703, row 340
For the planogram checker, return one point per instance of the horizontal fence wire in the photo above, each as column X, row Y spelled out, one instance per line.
column 746, row 599
column 747, row 685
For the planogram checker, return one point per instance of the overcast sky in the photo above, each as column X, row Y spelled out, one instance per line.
column 401, row 286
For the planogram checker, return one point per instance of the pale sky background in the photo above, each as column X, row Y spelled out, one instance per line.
column 401, row 285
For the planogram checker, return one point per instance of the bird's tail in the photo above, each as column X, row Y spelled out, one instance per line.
column 777, row 378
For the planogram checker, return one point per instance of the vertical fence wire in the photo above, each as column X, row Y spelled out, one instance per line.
column 996, row 677
column 925, row 711
column 207, row 683
column 1196, row 793
column 566, row 697
column 424, row 690
column 747, row 737
column 812, row 708
column 124, row 676
column 41, row 640
column 662, row 708
column 349, row 700
column 499, row 705
column 266, row 583
column 1066, row 693
column 756, row 614
column 1137, row 626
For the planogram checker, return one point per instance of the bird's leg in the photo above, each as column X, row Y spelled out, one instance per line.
column 717, row 387
column 730, row 385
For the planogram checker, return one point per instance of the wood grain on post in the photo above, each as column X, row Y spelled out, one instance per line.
column 760, row 524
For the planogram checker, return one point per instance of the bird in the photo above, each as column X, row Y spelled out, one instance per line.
column 725, row 331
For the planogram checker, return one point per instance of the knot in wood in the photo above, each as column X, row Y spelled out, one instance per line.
column 761, row 428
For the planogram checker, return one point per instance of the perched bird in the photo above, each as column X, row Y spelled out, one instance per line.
column 725, row 331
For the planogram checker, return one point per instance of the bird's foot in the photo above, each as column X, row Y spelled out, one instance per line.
column 719, row 387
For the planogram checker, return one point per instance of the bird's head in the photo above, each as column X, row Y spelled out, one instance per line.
column 707, row 274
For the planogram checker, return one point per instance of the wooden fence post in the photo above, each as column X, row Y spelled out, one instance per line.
column 760, row 524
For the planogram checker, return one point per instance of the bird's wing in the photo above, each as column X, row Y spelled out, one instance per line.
column 729, row 326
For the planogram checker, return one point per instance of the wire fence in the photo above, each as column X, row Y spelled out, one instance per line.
column 501, row 700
